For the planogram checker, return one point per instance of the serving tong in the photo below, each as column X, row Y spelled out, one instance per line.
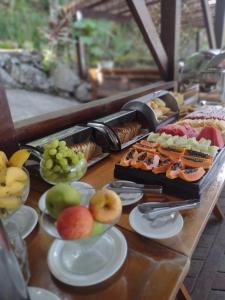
column 153, row 210
column 132, row 187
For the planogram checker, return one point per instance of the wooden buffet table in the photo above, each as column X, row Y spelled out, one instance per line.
column 152, row 269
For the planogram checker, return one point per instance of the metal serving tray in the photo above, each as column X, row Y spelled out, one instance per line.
column 176, row 187
column 72, row 136
column 141, row 105
column 107, row 138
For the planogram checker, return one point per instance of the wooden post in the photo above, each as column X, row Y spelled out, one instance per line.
column 220, row 23
column 81, row 56
column 144, row 21
column 197, row 40
column 170, row 34
column 208, row 23
column 8, row 141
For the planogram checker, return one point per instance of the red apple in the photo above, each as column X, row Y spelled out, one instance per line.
column 105, row 206
column 75, row 223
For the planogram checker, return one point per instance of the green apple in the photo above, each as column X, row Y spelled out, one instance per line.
column 60, row 196
column 97, row 229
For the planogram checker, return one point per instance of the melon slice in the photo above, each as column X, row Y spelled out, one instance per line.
column 213, row 134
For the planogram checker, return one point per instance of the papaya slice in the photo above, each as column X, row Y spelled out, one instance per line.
column 174, row 170
column 127, row 157
column 163, row 166
column 145, row 161
column 196, row 162
column 149, row 144
column 199, row 154
column 145, row 146
column 173, row 153
column 191, row 174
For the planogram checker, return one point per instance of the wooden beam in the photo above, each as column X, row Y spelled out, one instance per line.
column 170, row 34
column 220, row 23
column 145, row 23
column 183, row 293
column 208, row 23
column 8, row 141
column 81, row 55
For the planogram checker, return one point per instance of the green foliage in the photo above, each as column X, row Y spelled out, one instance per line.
column 96, row 35
column 21, row 23
column 110, row 40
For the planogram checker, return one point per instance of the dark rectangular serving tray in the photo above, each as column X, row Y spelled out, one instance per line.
column 175, row 187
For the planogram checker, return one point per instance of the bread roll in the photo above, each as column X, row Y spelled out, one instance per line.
column 88, row 148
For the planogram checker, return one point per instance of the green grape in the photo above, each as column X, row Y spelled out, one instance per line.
column 62, row 144
column 59, row 156
column 49, row 164
column 45, row 155
column 75, row 159
column 52, row 152
column 80, row 155
column 69, row 153
column 47, row 147
column 62, row 152
column 57, row 169
column 66, row 168
column 63, row 162
column 54, row 143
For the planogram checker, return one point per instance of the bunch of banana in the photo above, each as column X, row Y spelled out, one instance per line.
column 13, row 180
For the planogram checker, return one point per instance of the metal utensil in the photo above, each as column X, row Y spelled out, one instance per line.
column 162, row 220
column 151, row 216
column 132, row 186
column 150, row 206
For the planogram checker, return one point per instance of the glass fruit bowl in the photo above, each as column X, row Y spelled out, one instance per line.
column 15, row 193
column 81, row 229
column 56, row 175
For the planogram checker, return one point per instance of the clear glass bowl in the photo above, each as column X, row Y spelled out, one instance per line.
column 6, row 212
column 76, row 172
column 80, row 256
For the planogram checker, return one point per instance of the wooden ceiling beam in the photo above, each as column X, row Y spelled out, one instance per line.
column 208, row 23
column 170, row 34
column 140, row 12
column 220, row 23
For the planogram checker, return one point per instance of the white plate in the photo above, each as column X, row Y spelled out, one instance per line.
column 126, row 198
column 37, row 293
column 25, row 218
column 112, row 240
column 85, row 189
column 143, row 226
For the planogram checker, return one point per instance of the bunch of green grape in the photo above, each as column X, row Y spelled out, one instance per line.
column 61, row 163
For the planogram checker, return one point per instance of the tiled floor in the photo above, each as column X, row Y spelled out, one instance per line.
column 206, row 278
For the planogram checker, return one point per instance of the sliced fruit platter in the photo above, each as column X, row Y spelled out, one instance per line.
column 181, row 159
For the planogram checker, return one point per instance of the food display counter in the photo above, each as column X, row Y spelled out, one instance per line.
column 153, row 268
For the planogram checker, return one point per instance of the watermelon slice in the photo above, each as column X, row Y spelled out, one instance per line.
column 180, row 130
column 213, row 134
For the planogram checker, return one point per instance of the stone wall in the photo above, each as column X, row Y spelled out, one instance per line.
column 24, row 69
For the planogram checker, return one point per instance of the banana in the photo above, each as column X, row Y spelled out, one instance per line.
column 4, row 191
column 4, row 158
column 2, row 175
column 10, row 202
column 16, row 188
column 15, row 174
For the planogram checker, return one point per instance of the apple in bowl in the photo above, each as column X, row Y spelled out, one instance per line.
column 75, row 222
column 69, row 219
column 105, row 206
